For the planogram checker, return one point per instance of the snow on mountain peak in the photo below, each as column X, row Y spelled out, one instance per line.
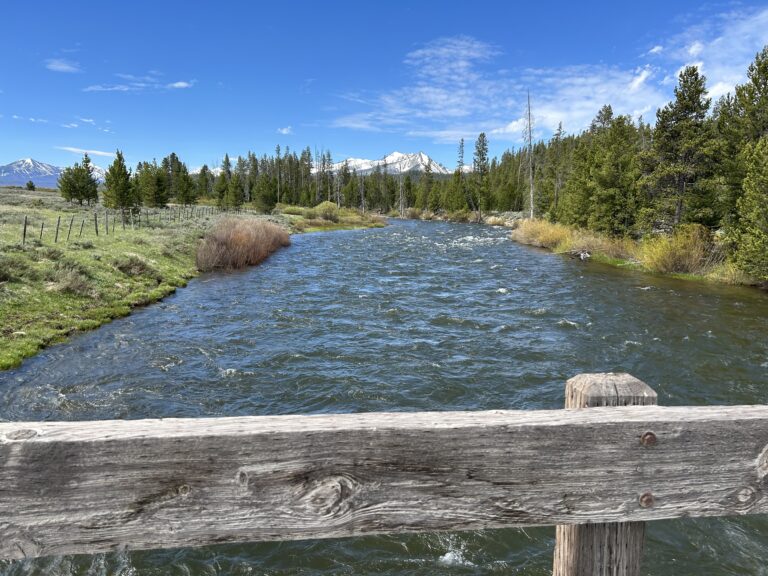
column 44, row 175
column 394, row 163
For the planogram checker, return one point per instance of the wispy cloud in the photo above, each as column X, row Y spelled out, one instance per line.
column 69, row 125
column 151, row 81
column 108, row 88
column 285, row 131
column 87, row 120
column 32, row 119
column 84, row 151
column 457, row 90
column 63, row 65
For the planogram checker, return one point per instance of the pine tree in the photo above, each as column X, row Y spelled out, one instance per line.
column 78, row 183
column 118, row 192
column 220, row 189
column 683, row 150
column 88, row 184
column 150, row 183
column 480, row 171
column 234, row 195
column 204, row 185
column 186, row 192
column 752, row 247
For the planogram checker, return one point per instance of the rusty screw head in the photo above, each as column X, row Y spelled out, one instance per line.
column 648, row 439
column 646, row 500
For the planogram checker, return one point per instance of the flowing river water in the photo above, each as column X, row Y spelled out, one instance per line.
column 415, row 316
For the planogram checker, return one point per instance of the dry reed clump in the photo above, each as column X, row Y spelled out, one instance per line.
column 413, row 213
column 495, row 221
column 541, row 233
column 561, row 238
column 236, row 242
column 689, row 250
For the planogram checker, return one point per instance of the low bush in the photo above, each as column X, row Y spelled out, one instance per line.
column 70, row 277
column 686, row 251
column 327, row 211
column 460, row 216
column 413, row 213
column 236, row 242
column 135, row 265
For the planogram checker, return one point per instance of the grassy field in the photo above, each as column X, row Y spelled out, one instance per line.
column 51, row 288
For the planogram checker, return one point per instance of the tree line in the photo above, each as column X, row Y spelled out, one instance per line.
column 699, row 164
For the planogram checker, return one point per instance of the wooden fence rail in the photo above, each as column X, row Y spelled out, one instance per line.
column 86, row 487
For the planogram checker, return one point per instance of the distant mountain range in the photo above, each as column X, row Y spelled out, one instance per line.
column 43, row 175
column 394, row 163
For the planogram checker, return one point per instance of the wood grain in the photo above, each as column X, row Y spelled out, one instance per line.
column 604, row 548
column 86, row 487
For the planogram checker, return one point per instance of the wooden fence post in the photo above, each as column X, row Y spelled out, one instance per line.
column 606, row 548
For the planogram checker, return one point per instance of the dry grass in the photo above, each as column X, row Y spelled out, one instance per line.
column 542, row 234
column 495, row 221
column 238, row 242
column 688, row 251
column 691, row 250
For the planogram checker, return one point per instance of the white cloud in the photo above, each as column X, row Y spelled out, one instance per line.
column 181, row 84
column 69, row 125
column 83, row 151
column 658, row 49
column 87, row 120
column 62, row 65
column 695, row 49
column 723, row 47
column 38, row 120
column 108, row 88
column 285, row 131
column 638, row 81
column 16, row 117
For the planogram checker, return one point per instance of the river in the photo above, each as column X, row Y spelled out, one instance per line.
column 415, row 316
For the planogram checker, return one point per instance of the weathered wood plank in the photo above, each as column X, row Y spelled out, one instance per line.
column 603, row 548
column 75, row 487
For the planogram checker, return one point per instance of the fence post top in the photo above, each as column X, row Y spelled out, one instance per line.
column 608, row 389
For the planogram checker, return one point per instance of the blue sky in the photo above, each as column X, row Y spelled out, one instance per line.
column 358, row 78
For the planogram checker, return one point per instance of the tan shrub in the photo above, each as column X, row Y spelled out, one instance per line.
column 236, row 242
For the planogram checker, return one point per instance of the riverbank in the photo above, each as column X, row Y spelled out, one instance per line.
column 691, row 253
column 73, row 270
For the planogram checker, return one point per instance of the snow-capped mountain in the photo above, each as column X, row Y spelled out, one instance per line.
column 43, row 175
column 395, row 163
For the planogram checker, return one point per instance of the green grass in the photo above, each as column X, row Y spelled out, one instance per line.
column 49, row 290
column 326, row 216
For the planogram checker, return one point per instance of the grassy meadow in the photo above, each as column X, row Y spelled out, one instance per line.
column 51, row 288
